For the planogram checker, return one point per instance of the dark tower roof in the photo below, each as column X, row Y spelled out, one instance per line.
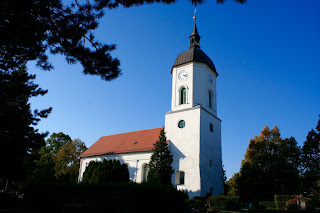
column 194, row 54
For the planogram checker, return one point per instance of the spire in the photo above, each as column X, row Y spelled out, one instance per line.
column 194, row 37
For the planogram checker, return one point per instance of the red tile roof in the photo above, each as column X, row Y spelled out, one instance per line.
column 137, row 141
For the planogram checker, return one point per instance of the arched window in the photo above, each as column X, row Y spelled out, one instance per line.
column 180, row 178
column 145, row 170
column 210, row 98
column 183, row 95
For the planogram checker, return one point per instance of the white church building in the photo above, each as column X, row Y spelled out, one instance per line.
column 192, row 129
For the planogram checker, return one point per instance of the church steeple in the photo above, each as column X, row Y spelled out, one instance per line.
column 194, row 37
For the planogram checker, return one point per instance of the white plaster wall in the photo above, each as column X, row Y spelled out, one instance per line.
column 201, row 87
column 195, row 145
column 177, row 84
column 210, row 149
column 197, row 87
column 185, row 147
column 135, row 162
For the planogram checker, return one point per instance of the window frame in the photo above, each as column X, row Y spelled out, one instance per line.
column 210, row 93
column 183, row 95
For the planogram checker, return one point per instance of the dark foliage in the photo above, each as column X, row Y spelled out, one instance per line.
column 281, row 200
column 267, row 204
column 45, row 172
column 30, row 29
column 106, row 171
column 220, row 203
column 7, row 200
column 20, row 141
column 111, row 197
column 197, row 204
column 311, row 160
column 160, row 162
column 277, row 211
column 270, row 167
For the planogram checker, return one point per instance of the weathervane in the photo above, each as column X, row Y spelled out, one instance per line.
column 194, row 16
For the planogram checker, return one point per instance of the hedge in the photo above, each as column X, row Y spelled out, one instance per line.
column 267, row 204
column 224, row 203
column 278, row 211
column 281, row 200
column 112, row 197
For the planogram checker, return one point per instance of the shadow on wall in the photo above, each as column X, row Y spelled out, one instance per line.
column 177, row 155
column 132, row 172
column 192, row 194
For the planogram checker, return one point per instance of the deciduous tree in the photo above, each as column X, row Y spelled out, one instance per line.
column 59, row 161
column 67, row 160
column 270, row 166
column 233, row 185
column 45, row 170
column 160, row 162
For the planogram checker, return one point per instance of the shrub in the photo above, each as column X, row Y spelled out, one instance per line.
column 267, row 204
column 223, row 203
column 106, row 171
column 111, row 197
column 197, row 204
column 7, row 200
column 281, row 200
column 277, row 211
column 291, row 204
column 193, row 204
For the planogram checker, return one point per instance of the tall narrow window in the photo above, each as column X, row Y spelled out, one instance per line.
column 210, row 98
column 183, row 95
column 179, row 178
column 145, row 170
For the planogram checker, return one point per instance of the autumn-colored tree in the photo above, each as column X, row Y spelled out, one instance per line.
column 67, row 160
column 45, row 171
column 270, row 166
column 59, row 161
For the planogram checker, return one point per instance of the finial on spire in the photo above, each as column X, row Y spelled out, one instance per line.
column 194, row 37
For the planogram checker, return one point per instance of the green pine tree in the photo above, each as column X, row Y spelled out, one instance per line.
column 160, row 162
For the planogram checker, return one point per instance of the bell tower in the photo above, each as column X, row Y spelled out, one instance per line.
column 192, row 125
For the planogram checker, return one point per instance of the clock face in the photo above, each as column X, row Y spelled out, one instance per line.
column 210, row 80
column 183, row 75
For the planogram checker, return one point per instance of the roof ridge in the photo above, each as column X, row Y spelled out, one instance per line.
column 132, row 132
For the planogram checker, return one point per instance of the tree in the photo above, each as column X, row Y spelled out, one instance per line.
column 233, row 185
column 45, row 170
column 30, row 29
column 20, row 141
column 67, row 160
column 160, row 162
column 311, row 160
column 59, row 161
column 270, row 166
column 105, row 172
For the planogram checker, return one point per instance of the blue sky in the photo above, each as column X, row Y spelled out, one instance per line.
column 267, row 54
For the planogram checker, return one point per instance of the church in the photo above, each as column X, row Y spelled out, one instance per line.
column 192, row 128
